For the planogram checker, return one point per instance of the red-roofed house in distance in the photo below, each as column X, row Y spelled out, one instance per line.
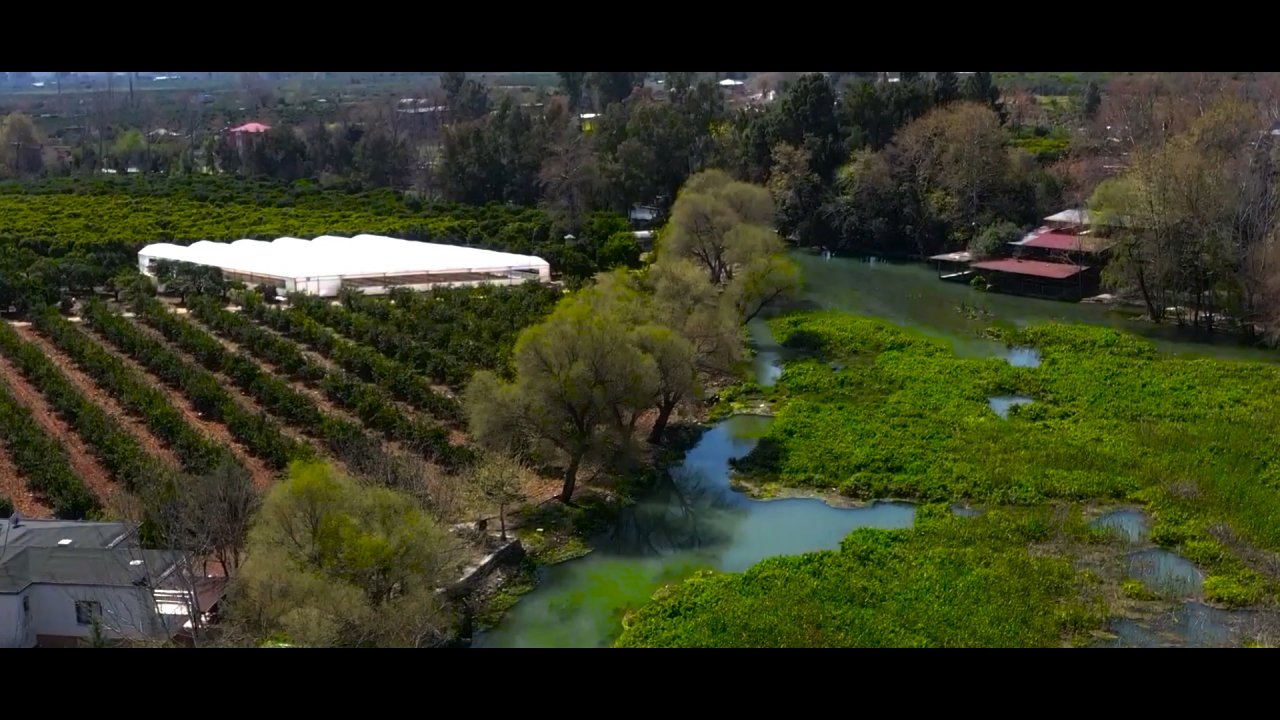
column 241, row 136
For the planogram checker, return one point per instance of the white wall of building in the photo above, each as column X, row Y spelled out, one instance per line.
column 126, row 612
column 15, row 629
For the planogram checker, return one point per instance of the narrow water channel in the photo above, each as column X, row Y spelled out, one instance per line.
column 697, row 521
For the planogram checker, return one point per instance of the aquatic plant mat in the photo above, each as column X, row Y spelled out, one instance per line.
column 868, row 410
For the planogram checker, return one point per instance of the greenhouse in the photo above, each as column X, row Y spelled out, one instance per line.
column 372, row 264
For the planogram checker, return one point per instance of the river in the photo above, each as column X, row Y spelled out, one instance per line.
column 697, row 521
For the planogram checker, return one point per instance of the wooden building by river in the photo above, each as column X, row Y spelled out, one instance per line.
column 1061, row 260
column 953, row 266
column 1039, row 278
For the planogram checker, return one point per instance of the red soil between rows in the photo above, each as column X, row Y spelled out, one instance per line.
column 243, row 399
column 83, row 462
column 100, row 397
column 13, row 486
column 263, row 476
column 322, row 401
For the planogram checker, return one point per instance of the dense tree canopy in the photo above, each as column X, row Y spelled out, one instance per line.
column 1196, row 219
column 335, row 563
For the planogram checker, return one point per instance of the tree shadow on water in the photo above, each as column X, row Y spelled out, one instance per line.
column 764, row 460
column 680, row 514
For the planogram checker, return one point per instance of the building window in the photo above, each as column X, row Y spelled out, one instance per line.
column 87, row 611
column 26, row 604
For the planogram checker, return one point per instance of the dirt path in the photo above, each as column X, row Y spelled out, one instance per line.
column 83, row 462
column 263, row 476
column 539, row 489
column 102, row 398
column 13, row 486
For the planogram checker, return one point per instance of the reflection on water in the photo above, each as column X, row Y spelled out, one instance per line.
column 1166, row 572
column 767, row 364
column 1000, row 404
column 1023, row 357
column 695, row 520
column 1129, row 523
column 1191, row 624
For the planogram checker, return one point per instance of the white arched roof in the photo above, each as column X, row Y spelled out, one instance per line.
column 332, row 256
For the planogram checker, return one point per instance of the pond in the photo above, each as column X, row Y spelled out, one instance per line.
column 1000, row 404
column 1166, row 572
column 1192, row 624
column 1131, row 524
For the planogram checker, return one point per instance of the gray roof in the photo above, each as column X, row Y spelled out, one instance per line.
column 115, row 567
column 1071, row 216
column 51, row 533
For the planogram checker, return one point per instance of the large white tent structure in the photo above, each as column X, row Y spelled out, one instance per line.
column 372, row 263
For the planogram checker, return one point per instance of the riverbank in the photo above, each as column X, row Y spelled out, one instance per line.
column 554, row 533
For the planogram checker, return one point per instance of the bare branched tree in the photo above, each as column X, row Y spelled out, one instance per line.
column 498, row 481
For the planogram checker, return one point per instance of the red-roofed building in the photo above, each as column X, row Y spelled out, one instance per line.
column 1067, row 242
column 1076, row 248
column 1037, row 278
column 242, row 135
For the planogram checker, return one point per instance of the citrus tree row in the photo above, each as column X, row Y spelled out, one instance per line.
column 43, row 461
column 119, row 452
column 196, row 452
column 255, row 431
column 363, row 361
column 346, row 440
column 373, row 406
column 477, row 327
column 384, row 337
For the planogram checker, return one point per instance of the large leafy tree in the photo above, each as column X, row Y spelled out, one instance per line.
column 720, row 224
column 580, row 386
column 332, row 562
column 807, row 118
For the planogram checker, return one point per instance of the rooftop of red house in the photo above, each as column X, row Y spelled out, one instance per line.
column 252, row 127
column 1062, row 240
column 1034, row 268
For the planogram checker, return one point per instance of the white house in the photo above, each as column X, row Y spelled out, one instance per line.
column 58, row 579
